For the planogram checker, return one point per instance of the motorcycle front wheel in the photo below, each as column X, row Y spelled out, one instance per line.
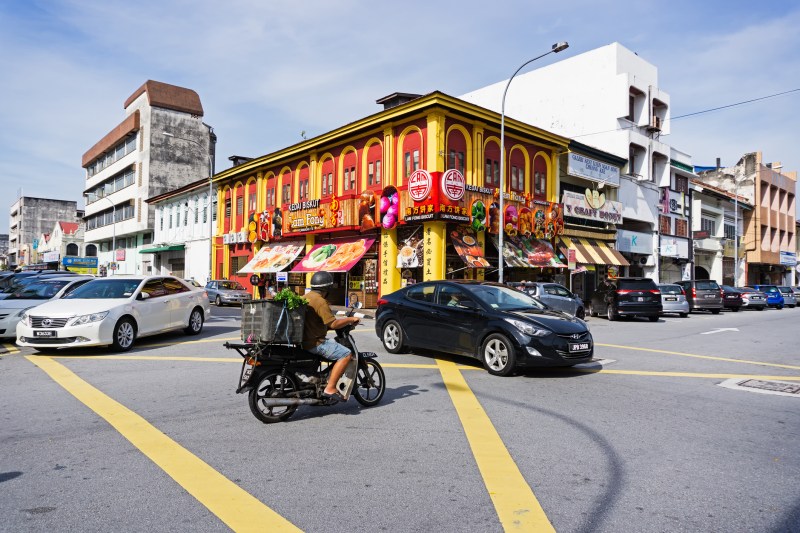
column 272, row 385
column 370, row 383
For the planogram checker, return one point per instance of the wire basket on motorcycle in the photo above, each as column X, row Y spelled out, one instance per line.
column 268, row 321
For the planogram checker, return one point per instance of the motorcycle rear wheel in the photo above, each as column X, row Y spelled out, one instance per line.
column 370, row 383
column 272, row 385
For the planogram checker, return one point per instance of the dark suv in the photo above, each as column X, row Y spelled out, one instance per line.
column 703, row 294
column 627, row 297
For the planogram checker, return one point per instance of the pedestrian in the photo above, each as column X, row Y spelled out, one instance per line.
column 262, row 286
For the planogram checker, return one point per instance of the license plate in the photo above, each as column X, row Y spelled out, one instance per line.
column 640, row 299
column 247, row 371
column 579, row 347
column 756, row 298
column 709, row 296
column 671, row 299
column 730, row 296
column 44, row 333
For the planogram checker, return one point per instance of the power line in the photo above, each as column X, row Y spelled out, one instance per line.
column 693, row 114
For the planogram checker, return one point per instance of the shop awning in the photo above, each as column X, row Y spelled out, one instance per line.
column 273, row 258
column 167, row 248
column 335, row 256
column 466, row 244
column 592, row 252
column 525, row 252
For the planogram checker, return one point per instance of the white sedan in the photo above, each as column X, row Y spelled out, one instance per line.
column 114, row 311
column 31, row 295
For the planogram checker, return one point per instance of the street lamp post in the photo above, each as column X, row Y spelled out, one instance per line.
column 554, row 50
column 210, row 202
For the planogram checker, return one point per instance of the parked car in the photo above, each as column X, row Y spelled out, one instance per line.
column 702, row 295
column 789, row 299
column 731, row 298
column 753, row 299
column 226, row 292
column 114, row 311
column 627, row 297
column 31, row 295
column 556, row 296
column 774, row 296
column 673, row 300
column 502, row 327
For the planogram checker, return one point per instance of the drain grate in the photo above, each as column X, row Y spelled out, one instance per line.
column 774, row 386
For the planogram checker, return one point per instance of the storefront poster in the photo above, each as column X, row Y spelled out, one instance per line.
column 527, row 252
column 466, row 244
column 273, row 258
column 367, row 215
column 389, row 205
column 410, row 248
column 334, row 256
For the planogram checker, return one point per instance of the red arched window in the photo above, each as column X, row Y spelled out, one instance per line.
column 350, row 183
column 269, row 192
column 286, row 188
column 302, row 183
column 374, row 165
column 457, row 151
column 238, row 215
column 539, row 185
column 252, row 203
column 516, row 171
column 412, row 153
column 491, row 169
column 227, row 222
column 327, row 178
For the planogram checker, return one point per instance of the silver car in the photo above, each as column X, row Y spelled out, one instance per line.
column 556, row 296
column 789, row 298
column 673, row 300
column 226, row 292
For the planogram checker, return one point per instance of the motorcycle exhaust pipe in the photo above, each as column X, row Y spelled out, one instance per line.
column 287, row 402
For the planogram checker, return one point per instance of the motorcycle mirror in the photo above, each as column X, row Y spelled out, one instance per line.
column 357, row 305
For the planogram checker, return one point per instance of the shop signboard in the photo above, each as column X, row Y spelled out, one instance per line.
column 591, row 169
column 81, row 265
column 437, row 196
column 634, row 242
column 51, row 257
column 334, row 256
column 788, row 258
column 233, row 237
column 592, row 205
column 120, row 254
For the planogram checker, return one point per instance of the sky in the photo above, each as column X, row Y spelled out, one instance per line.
column 269, row 71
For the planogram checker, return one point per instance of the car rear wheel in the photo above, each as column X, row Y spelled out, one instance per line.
column 497, row 354
column 653, row 318
column 592, row 311
column 195, row 322
column 715, row 311
column 684, row 315
column 760, row 308
column 610, row 313
column 218, row 301
column 392, row 336
column 124, row 335
column 735, row 309
column 580, row 313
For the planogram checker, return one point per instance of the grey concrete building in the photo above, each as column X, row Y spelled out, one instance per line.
column 161, row 145
column 29, row 218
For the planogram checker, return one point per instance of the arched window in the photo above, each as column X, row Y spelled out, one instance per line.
column 456, row 151
column 491, row 172
column 286, row 188
column 412, row 150
column 539, row 188
column 91, row 250
column 327, row 178
column 516, row 164
column 374, row 158
column 350, row 173
column 302, row 183
column 72, row 249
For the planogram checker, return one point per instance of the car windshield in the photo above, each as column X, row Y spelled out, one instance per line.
column 785, row 290
column 637, row 285
column 770, row 289
column 231, row 285
column 40, row 290
column 105, row 289
column 706, row 285
column 505, row 298
column 670, row 289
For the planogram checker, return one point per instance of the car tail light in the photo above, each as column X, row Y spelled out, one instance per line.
column 382, row 301
column 683, row 291
column 694, row 292
column 623, row 291
column 721, row 293
column 655, row 291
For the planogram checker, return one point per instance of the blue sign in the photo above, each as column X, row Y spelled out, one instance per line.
column 86, row 262
column 788, row 258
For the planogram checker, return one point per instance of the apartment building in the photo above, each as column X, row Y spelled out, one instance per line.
column 161, row 145
column 768, row 235
column 29, row 218
column 608, row 98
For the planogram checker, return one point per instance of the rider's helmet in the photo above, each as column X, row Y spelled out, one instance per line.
column 321, row 281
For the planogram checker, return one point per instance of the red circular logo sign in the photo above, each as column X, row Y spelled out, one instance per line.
column 419, row 185
column 453, row 184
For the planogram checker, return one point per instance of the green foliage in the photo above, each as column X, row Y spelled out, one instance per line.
column 290, row 298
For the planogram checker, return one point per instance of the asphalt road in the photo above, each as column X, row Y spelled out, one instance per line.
column 645, row 440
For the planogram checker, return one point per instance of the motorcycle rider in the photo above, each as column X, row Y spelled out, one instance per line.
column 319, row 319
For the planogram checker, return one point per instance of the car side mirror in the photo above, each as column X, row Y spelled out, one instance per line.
column 468, row 304
column 142, row 296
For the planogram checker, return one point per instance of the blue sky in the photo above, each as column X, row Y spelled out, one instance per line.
column 268, row 70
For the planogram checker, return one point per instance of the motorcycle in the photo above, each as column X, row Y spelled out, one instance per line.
column 279, row 378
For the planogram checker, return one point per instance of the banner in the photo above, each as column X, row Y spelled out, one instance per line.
column 273, row 258
column 335, row 256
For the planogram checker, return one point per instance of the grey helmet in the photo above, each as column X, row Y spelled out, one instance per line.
column 321, row 281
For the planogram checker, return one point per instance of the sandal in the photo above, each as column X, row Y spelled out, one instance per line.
column 331, row 399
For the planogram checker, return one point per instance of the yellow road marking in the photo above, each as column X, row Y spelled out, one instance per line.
column 687, row 374
column 516, row 505
column 235, row 507
column 744, row 361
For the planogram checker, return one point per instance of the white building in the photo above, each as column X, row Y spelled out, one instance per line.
column 161, row 145
column 29, row 218
column 63, row 248
column 183, row 223
column 607, row 98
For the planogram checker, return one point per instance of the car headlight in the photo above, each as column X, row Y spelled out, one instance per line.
column 26, row 319
column 86, row 319
column 528, row 328
column 22, row 312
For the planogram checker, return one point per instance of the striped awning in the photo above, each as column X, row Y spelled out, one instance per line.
column 592, row 252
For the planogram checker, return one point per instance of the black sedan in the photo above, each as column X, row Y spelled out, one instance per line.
column 503, row 327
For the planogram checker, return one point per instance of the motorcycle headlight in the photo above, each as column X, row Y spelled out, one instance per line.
column 528, row 328
column 86, row 319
